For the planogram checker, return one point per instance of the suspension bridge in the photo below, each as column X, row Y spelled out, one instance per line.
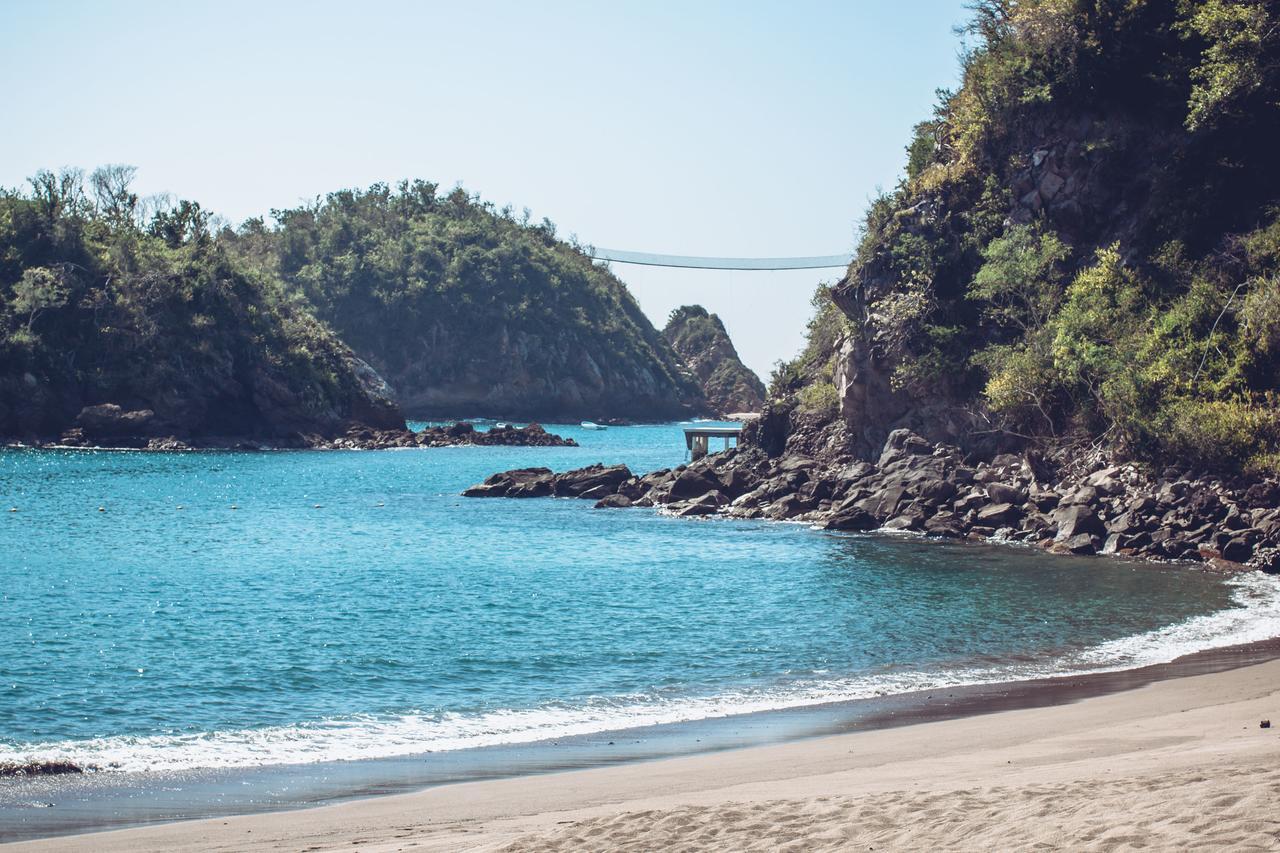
column 694, row 262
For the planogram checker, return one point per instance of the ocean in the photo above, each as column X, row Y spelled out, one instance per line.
column 231, row 610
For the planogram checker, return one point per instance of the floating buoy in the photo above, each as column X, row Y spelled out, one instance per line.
column 318, row 506
column 102, row 509
column 379, row 504
column 180, row 506
column 13, row 509
column 233, row 506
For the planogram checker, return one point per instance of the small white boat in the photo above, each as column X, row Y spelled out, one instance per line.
column 592, row 425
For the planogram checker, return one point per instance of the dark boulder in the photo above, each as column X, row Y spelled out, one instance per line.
column 693, row 482
column 617, row 501
column 946, row 524
column 585, row 481
column 1080, row 543
column 517, row 483
column 738, row 481
column 852, row 518
column 707, row 504
column 1238, row 550
column 998, row 514
column 935, row 492
column 903, row 442
column 1000, row 493
column 1074, row 520
column 1044, row 499
column 967, row 503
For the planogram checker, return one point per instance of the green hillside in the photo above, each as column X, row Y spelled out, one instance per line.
column 104, row 303
column 469, row 310
column 1085, row 248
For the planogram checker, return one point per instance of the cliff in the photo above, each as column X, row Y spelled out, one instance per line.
column 701, row 341
column 467, row 310
column 1085, row 250
column 118, row 330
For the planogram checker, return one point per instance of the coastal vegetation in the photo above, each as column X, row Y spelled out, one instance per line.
column 125, row 319
column 1084, row 249
column 123, row 314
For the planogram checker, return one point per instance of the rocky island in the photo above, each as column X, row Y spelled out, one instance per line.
column 700, row 339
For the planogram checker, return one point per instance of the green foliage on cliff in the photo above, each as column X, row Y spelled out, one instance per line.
column 466, row 309
column 1086, row 242
column 106, row 298
column 815, row 363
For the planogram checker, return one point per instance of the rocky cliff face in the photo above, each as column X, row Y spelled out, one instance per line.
column 240, row 395
column 1083, row 250
column 701, row 341
column 511, row 370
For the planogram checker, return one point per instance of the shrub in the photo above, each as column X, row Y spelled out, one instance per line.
column 1020, row 282
column 820, row 398
column 1261, row 315
column 1222, row 435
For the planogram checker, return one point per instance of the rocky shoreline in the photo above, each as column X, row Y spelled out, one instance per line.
column 933, row 489
column 109, row 427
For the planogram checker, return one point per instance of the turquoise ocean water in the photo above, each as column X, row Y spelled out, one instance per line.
column 232, row 610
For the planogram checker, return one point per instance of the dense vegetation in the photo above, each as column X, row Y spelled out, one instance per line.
column 700, row 339
column 1086, row 243
column 106, row 298
column 470, row 310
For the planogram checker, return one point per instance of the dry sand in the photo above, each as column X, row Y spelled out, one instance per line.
column 1176, row 764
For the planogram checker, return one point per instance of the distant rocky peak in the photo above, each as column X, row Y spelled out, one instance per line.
column 700, row 340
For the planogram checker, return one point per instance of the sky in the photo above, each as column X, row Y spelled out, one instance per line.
column 736, row 129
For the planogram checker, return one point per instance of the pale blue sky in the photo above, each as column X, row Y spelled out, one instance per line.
column 727, row 129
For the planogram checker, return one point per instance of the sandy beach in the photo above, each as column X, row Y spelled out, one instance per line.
column 1177, row 763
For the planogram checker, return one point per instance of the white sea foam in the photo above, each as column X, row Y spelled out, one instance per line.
column 1254, row 616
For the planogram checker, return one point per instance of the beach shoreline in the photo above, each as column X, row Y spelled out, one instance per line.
column 1236, row 678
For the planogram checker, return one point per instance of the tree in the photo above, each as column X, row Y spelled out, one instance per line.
column 58, row 196
column 1021, row 279
column 39, row 289
column 111, row 191
column 1241, row 37
column 186, row 223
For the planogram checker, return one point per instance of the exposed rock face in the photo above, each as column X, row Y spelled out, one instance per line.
column 593, row 482
column 916, row 485
column 1086, row 198
column 701, row 341
column 513, row 372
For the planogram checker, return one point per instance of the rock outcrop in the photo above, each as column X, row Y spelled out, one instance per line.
column 700, row 339
column 933, row 489
column 358, row 437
